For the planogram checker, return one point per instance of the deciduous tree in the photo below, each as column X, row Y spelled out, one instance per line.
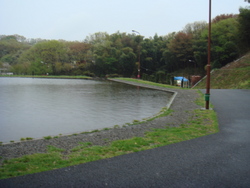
column 181, row 48
column 244, row 28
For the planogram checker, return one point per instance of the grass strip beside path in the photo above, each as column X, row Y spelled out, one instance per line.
column 201, row 123
column 150, row 83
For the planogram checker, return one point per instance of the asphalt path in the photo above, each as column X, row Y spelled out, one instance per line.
column 218, row 160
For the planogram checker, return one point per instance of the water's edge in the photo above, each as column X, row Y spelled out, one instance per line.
column 182, row 102
column 174, row 94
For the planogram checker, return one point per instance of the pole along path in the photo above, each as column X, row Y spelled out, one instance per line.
column 218, row 160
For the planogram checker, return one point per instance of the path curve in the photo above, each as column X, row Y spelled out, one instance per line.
column 218, row 160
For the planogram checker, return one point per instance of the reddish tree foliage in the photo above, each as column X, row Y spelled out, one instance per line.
column 79, row 47
column 223, row 17
column 181, row 46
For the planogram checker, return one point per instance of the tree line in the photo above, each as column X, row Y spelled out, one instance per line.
column 120, row 54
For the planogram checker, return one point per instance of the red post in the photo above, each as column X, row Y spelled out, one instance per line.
column 207, row 95
column 139, row 64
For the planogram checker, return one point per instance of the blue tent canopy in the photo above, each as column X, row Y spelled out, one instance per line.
column 180, row 78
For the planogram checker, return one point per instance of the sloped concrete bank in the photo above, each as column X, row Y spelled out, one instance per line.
column 182, row 102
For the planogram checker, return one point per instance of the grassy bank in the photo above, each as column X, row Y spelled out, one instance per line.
column 201, row 123
column 235, row 75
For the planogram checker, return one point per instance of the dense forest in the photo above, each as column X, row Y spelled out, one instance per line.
column 120, row 54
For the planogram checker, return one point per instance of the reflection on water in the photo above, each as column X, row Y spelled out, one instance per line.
column 41, row 107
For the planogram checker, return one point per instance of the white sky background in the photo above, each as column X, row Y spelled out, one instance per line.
column 75, row 19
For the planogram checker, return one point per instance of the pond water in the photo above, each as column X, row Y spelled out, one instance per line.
column 38, row 107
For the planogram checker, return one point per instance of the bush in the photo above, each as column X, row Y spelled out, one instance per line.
column 113, row 75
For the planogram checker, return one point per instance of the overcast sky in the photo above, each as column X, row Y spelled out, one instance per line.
column 75, row 19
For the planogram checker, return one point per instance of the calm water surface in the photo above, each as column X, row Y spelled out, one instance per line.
column 34, row 107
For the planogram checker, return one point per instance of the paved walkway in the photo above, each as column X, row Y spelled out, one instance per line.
column 218, row 160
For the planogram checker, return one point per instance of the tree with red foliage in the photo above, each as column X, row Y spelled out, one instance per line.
column 224, row 17
column 181, row 48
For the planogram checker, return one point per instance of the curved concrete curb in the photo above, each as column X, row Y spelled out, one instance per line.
column 150, row 87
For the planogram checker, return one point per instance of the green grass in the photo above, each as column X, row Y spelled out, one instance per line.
column 54, row 149
column 201, row 123
column 47, row 137
column 228, row 79
column 234, row 76
column 150, row 83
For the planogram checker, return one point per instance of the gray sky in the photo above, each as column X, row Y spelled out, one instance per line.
column 76, row 19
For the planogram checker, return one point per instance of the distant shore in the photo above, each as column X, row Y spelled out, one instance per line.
column 48, row 76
